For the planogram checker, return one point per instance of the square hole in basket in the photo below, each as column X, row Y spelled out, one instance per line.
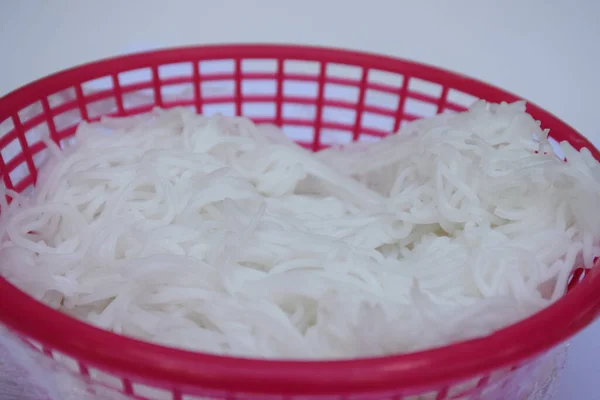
column 217, row 88
column 494, row 390
column 344, row 71
column 98, row 391
column 296, row 88
column 460, row 98
column 298, row 111
column 106, row 378
column 500, row 375
column 19, row 173
column 368, row 138
column 67, row 119
column 335, row 136
column 258, row 109
column 405, row 122
column 301, row 67
column 62, row 97
column 259, row 65
column 419, row 108
column 31, row 111
column 98, row 84
column 101, row 107
column 347, row 93
column 556, row 147
column 177, row 92
column 576, row 277
column 382, row 99
column 36, row 133
column 385, row 78
column 433, row 395
column 40, row 158
column 135, row 76
column 425, row 87
column 66, row 142
column 191, row 107
column 226, row 109
column 299, row 133
column 33, row 345
column 138, row 98
column 6, row 126
column 66, row 361
column 11, row 150
column 259, row 86
column 377, row 121
column 210, row 67
column 339, row 115
column 466, row 388
column 175, row 70
column 151, row 393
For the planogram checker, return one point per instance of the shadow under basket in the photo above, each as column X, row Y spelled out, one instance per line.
column 320, row 97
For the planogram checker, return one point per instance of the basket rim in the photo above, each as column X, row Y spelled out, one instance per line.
column 146, row 362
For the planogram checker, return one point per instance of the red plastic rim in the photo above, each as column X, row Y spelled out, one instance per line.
column 177, row 368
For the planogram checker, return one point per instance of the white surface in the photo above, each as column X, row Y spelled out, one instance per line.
column 544, row 50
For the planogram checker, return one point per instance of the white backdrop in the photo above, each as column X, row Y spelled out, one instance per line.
column 544, row 50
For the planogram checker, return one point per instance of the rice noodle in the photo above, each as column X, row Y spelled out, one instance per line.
column 217, row 235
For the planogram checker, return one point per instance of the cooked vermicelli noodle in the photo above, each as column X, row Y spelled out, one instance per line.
column 218, row 235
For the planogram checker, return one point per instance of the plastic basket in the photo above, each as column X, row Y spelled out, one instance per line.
column 320, row 97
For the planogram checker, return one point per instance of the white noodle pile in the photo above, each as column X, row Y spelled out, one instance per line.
column 213, row 234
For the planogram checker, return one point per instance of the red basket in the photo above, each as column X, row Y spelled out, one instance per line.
column 100, row 364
